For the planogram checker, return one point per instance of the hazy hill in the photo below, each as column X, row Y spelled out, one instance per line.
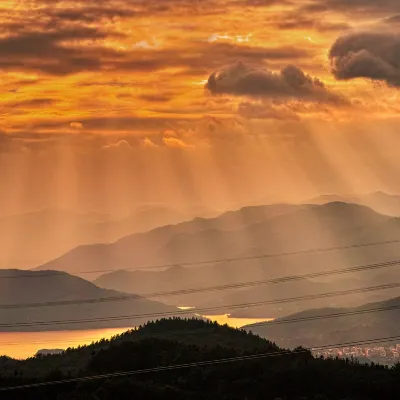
column 299, row 289
column 330, row 198
column 312, row 288
column 141, row 219
column 23, row 294
column 244, row 233
column 381, row 202
column 344, row 329
column 46, row 234
column 180, row 279
column 280, row 374
column 159, row 245
column 42, row 234
column 202, row 239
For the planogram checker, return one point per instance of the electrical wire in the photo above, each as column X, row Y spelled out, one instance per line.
column 40, row 274
column 283, row 279
column 198, row 364
column 256, row 325
column 205, row 310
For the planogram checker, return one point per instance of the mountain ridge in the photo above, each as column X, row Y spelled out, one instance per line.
column 263, row 231
column 33, row 301
column 120, row 249
column 47, row 233
column 354, row 327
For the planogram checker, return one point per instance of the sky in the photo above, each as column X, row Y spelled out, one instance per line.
column 106, row 105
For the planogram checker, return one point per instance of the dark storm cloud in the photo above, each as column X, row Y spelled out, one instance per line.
column 373, row 6
column 31, row 103
column 61, row 38
column 294, row 21
column 61, row 52
column 90, row 14
column 141, row 8
column 240, row 79
column 156, row 97
column 372, row 55
column 40, row 43
column 47, row 51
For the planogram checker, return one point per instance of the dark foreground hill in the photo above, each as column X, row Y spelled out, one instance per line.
column 51, row 300
column 280, row 375
column 353, row 324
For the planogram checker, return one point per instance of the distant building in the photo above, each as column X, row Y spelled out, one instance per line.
column 48, row 352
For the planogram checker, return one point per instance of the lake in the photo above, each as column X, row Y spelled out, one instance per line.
column 22, row 345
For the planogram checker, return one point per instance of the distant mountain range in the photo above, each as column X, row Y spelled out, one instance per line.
column 46, row 234
column 194, row 240
column 231, row 248
column 355, row 327
column 28, row 298
column 249, row 232
column 192, row 281
column 381, row 202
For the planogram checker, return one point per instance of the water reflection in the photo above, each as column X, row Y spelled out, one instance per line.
column 22, row 345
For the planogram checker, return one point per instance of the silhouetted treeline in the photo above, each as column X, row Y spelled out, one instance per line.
column 293, row 375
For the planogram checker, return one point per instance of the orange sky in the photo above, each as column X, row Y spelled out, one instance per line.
column 106, row 104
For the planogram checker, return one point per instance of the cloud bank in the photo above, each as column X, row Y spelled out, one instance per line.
column 371, row 55
column 291, row 82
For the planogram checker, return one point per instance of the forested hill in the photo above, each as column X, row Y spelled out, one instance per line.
column 281, row 375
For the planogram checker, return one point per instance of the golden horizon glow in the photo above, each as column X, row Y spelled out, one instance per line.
column 114, row 95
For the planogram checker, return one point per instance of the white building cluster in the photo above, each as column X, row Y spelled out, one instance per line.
column 383, row 354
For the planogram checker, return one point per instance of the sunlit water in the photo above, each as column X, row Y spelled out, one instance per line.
column 22, row 345
column 235, row 322
column 25, row 344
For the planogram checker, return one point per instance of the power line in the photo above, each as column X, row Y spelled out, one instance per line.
column 204, row 311
column 267, row 323
column 199, row 364
column 206, row 262
column 283, row 279
column 326, row 316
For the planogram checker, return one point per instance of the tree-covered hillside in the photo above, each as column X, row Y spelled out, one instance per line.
column 281, row 375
